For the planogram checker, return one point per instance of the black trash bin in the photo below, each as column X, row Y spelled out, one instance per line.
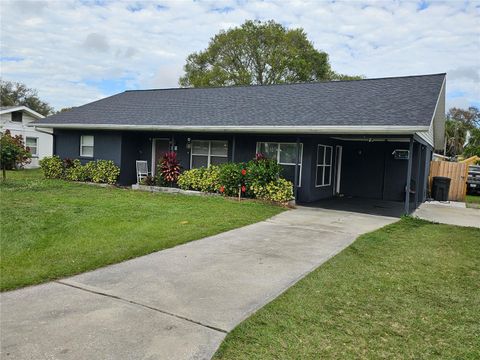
column 440, row 187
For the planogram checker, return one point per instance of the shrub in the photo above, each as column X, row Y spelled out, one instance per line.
column 148, row 181
column 200, row 179
column 52, row 167
column 230, row 178
column 190, row 179
column 261, row 171
column 170, row 168
column 13, row 152
column 68, row 163
column 280, row 190
column 209, row 181
column 89, row 170
column 258, row 178
column 100, row 171
column 105, row 171
column 74, row 171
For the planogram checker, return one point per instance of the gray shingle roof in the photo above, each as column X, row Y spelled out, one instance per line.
column 398, row 101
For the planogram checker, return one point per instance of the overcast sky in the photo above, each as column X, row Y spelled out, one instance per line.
column 74, row 52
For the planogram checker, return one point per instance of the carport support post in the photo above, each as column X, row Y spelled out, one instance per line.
column 409, row 175
column 297, row 158
column 417, row 180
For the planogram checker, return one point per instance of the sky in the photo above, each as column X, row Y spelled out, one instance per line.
column 74, row 52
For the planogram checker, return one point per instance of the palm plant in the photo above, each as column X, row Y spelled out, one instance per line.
column 455, row 137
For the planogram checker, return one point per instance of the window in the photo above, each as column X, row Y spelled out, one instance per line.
column 86, row 145
column 17, row 116
column 324, row 166
column 208, row 152
column 32, row 144
column 286, row 155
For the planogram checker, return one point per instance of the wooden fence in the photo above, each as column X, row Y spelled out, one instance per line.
column 458, row 172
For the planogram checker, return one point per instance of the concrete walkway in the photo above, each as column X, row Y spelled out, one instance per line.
column 177, row 303
column 445, row 213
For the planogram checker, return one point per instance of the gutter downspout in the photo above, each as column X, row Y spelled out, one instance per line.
column 409, row 175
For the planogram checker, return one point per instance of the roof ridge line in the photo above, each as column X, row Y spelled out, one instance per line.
column 284, row 84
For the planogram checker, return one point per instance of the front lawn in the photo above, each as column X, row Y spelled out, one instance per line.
column 408, row 291
column 52, row 228
column 473, row 201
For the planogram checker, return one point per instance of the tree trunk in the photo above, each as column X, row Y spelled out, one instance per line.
column 4, row 172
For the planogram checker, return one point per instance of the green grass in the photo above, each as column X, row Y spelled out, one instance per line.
column 52, row 228
column 408, row 291
column 473, row 201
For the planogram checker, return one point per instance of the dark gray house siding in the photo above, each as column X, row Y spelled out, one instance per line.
column 108, row 145
column 368, row 166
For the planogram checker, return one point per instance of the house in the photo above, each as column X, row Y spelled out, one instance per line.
column 17, row 120
column 370, row 138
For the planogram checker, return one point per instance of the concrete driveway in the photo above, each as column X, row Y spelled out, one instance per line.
column 177, row 303
column 449, row 213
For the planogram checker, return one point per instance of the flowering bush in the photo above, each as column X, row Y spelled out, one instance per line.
column 231, row 178
column 261, row 171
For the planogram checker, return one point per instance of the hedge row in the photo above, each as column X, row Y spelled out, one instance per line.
column 100, row 171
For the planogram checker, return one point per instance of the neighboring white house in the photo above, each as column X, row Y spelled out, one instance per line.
column 16, row 119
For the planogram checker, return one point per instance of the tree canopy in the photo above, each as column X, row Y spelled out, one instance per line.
column 17, row 94
column 462, row 135
column 258, row 53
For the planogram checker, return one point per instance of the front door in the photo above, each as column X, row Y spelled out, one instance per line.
column 161, row 146
column 338, row 168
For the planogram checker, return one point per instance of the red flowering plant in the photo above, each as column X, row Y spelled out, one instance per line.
column 170, row 168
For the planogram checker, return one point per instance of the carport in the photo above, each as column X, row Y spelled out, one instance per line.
column 384, row 175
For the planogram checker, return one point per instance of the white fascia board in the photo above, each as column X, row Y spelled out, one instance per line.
column 247, row 129
column 22, row 108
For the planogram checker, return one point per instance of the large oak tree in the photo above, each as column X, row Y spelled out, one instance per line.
column 258, row 53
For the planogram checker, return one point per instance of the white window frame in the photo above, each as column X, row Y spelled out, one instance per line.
column 82, row 145
column 300, row 162
column 324, row 165
column 209, row 155
column 36, row 145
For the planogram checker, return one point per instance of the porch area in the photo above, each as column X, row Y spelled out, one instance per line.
column 369, row 174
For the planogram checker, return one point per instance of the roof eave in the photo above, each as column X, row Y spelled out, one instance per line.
column 23, row 108
column 246, row 129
